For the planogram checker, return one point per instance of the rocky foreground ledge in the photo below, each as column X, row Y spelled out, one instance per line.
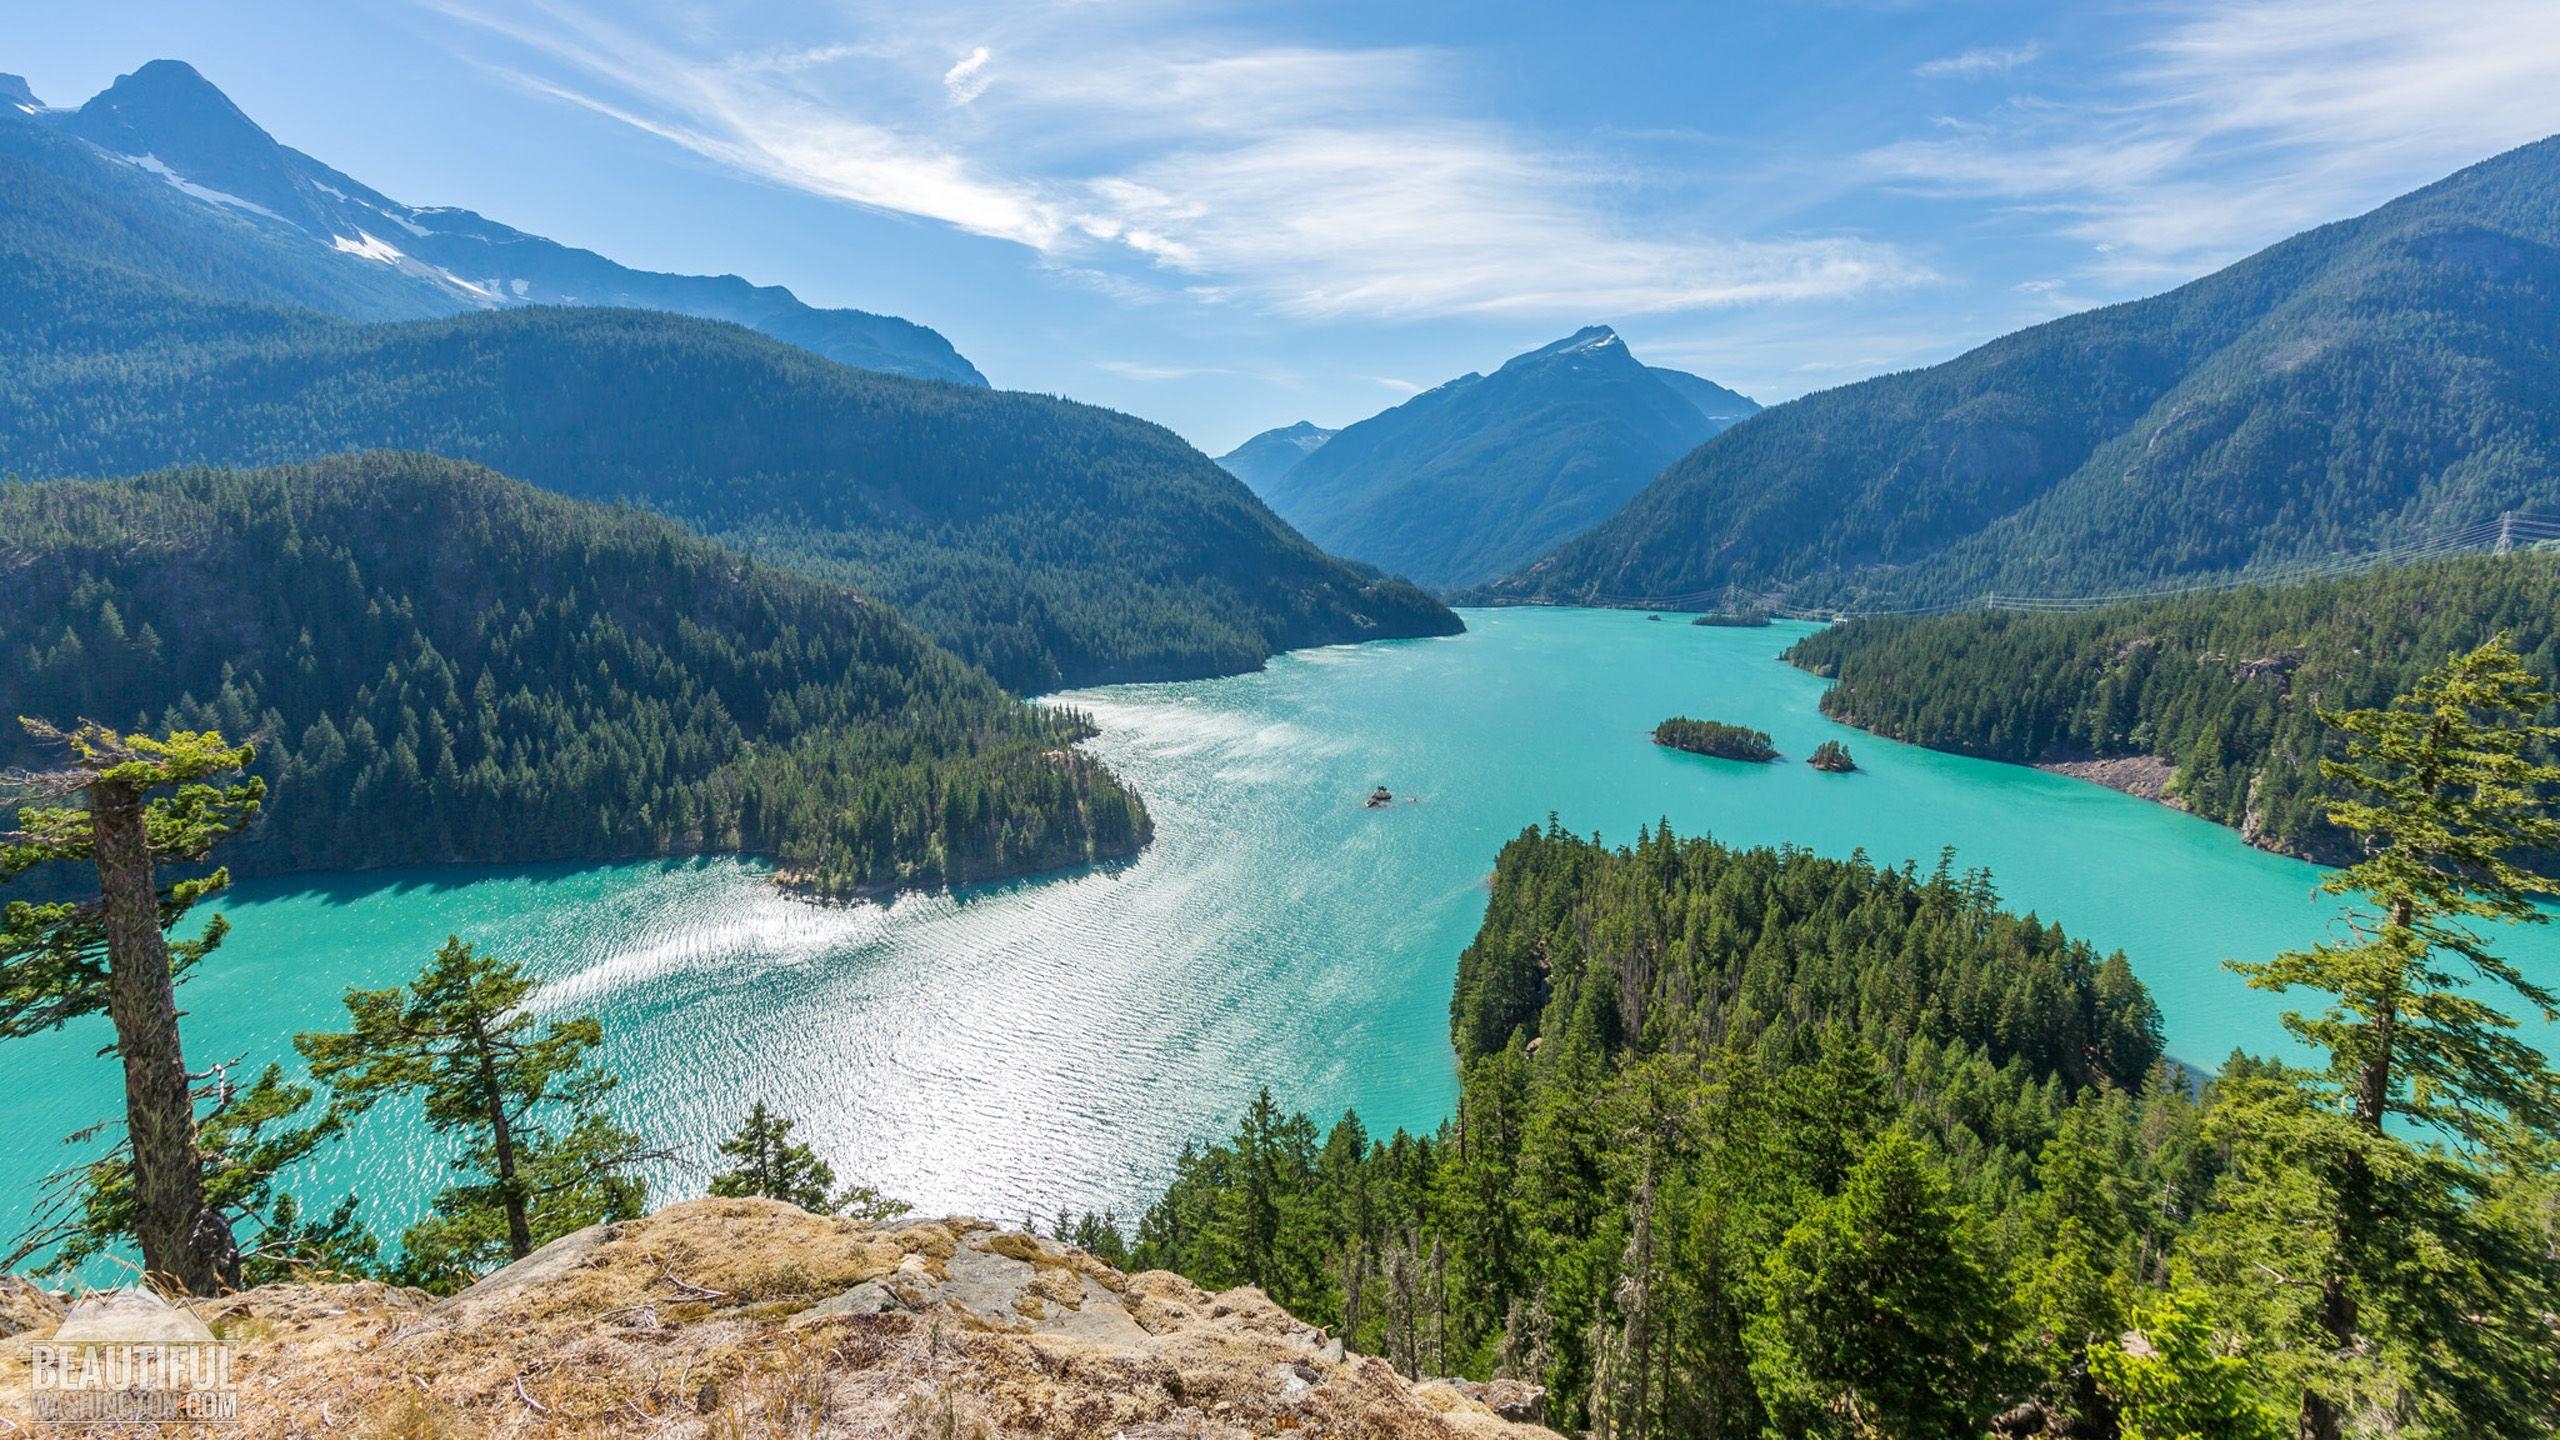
column 747, row 1318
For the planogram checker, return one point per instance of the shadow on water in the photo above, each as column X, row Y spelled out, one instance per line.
column 351, row 887
column 979, row 892
column 356, row 887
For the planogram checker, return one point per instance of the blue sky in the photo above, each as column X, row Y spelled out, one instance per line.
column 1228, row 217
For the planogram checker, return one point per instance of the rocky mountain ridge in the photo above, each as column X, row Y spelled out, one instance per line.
column 403, row 261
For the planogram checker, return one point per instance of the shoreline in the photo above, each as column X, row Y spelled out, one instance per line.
column 2145, row 777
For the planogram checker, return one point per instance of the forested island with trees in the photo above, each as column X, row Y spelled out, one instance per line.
column 1755, row 1142
column 444, row 665
column 1714, row 738
column 2226, row 687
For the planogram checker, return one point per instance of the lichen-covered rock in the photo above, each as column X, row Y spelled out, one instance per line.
column 1511, row 1399
column 746, row 1318
column 26, row 1310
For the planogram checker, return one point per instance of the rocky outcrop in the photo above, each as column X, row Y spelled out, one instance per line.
column 2147, row 776
column 24, row 1308
column 747, row 1318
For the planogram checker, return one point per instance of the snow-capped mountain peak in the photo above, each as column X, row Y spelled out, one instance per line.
column 169, row 121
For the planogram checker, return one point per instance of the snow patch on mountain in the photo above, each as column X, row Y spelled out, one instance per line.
column 485, row 294
column 151, row 164
column 368, row 247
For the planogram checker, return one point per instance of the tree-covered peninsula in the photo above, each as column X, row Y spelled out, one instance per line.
column 441, row 664
column 1760, row 1143
column 1685, row 1069
column 2224, row 689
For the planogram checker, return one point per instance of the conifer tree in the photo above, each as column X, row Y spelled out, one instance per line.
column 544, row 1155
column 247, row 1137
column 1096, row 1234
column 771, row 1164
column 146, row 801
column 1879, row 1318
column 2449, row 795
column 2173, row 1378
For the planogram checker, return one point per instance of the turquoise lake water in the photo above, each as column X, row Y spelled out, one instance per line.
column 1009, row 1051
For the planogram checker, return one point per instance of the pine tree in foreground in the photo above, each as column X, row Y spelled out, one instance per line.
column 771, row 1164
column 544, row 1156
column 247, row 1137
column 1879, row 1310
column 2387, row 1156
column 2173, row 1378
column 145, row 801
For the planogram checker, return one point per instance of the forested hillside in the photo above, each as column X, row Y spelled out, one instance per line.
column 1050, row 542
column 1672, row 1054
column 1750, row 1141
column 100, row 255
column 2225, row 686
column 2361, row 383
column 441, row 664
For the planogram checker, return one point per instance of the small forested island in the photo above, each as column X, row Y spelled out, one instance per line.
column 2224, row 688
column 1831, row 757
column 1715, row 738
column 1746, row 618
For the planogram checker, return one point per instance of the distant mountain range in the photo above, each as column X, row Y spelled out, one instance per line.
column 383, row 260
column 1465, row 482
column 1051, row 543
column 2364, row 383
column 1273, row 453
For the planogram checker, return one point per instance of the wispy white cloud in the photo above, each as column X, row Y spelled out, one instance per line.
column 764, row 114
column 1133, row 143
column 1977, row 63
column 968, row 79
column 2240, row 123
